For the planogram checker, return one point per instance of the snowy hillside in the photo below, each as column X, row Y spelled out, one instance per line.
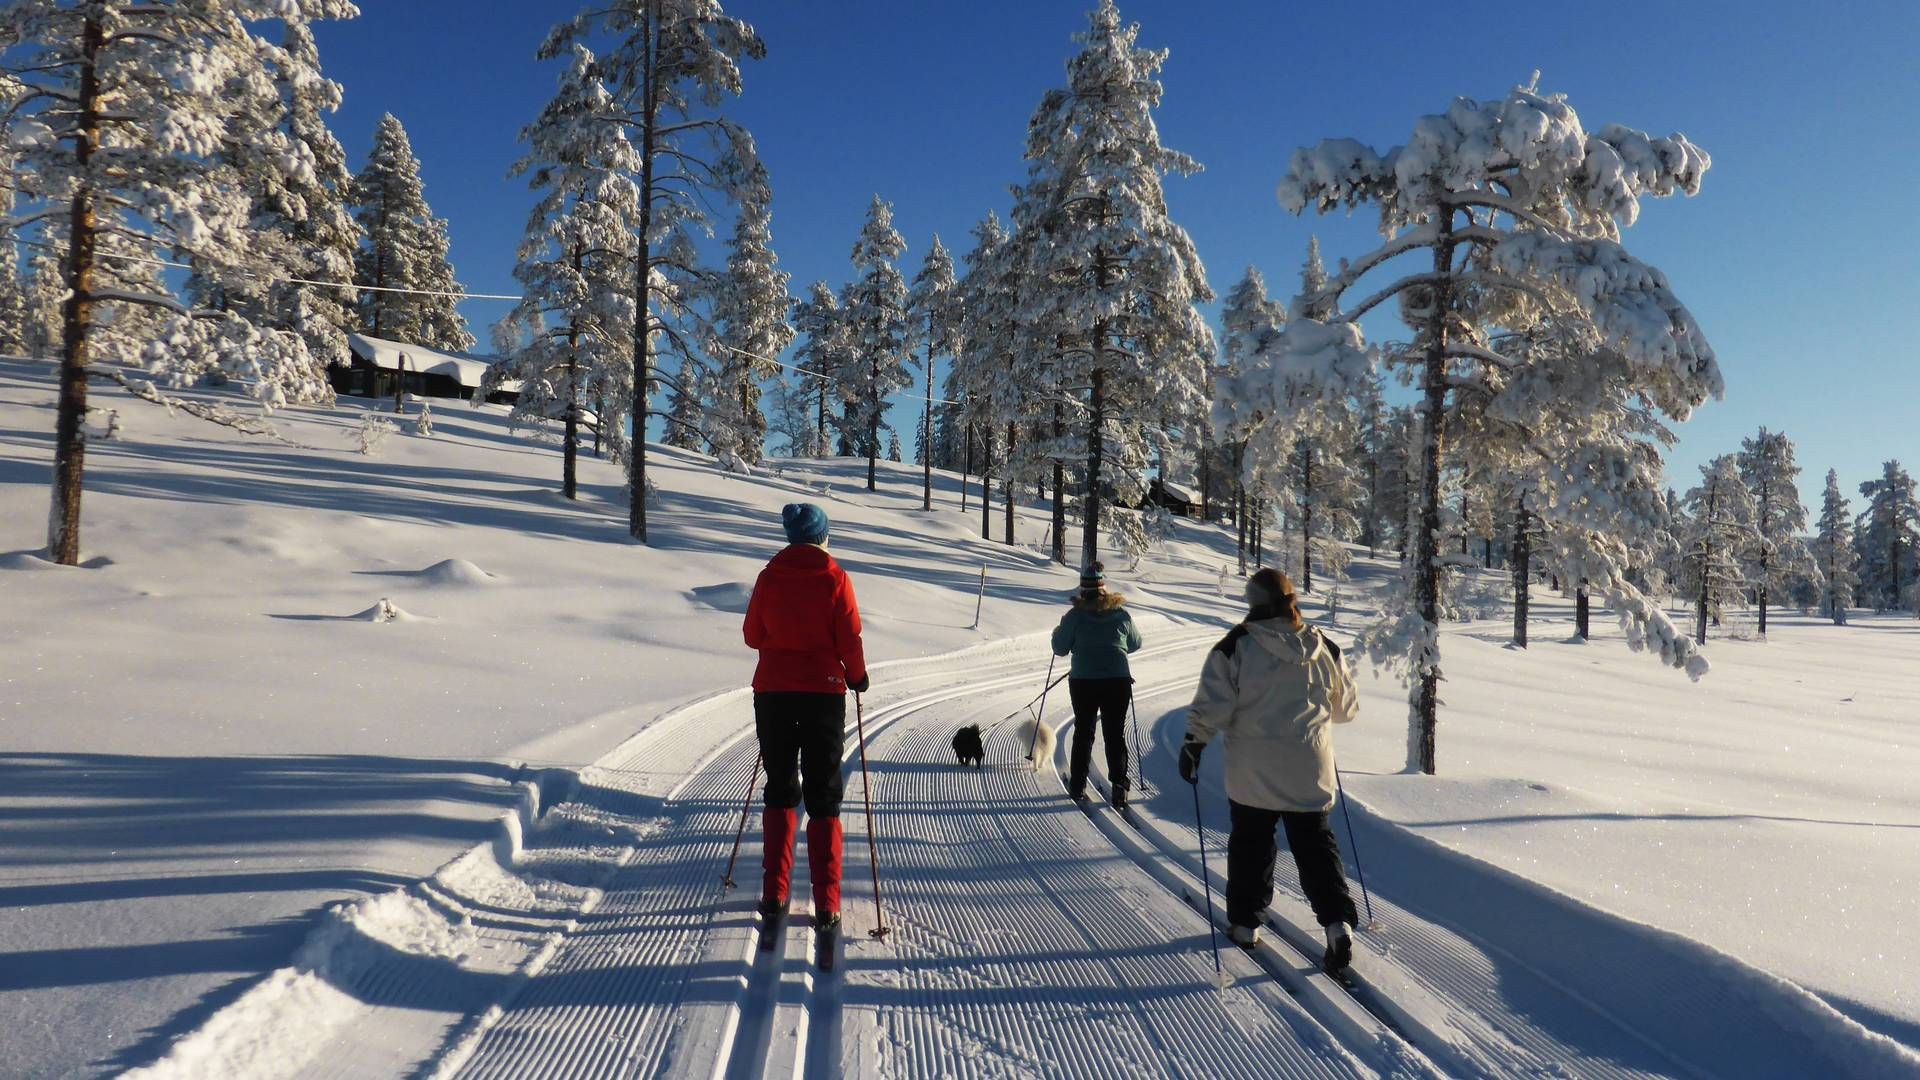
column 400, row 764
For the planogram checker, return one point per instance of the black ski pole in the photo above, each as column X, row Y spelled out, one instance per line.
column 1042, row 714
column 880, row 927
column 1206, row 879
column 726, row 882
column 1354, row 843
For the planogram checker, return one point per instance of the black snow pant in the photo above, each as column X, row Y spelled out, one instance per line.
column 1106, row 700
column 803, row 742
column 1250, row 858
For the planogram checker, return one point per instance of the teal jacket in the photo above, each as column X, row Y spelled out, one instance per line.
column 1099, row 635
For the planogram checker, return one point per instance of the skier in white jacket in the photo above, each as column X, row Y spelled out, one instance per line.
column 1271, row 687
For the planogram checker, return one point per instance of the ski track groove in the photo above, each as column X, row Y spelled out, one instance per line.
column 1458, row 972
column 975, row 856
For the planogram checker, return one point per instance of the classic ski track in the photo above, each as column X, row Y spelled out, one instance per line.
column 636, row 988
column 1443, row 962
column 977, row 858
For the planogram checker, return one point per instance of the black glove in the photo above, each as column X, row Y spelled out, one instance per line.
column 859, row 686
column 1190, row 760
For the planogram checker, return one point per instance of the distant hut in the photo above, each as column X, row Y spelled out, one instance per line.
column 1173, row 498
column 379, row 366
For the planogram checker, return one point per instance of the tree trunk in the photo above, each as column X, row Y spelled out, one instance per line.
column 642, row 296
column 599, row 421
column 1373, row 506
column 1700, row 613
column 1009, row 485
column 1762, row 597
column 986, row 483
column 1581, row 612
column 926, row 430
column 400, row 386
column 1306, row 517
column 873, row 424
column 1090, row 508
column 1259, row 527
column 1426, row 554
column 966, row 468
column 70, row 441
column 1522, row 573
column 1059, row 487
column 569, row 452
column 1486, row 553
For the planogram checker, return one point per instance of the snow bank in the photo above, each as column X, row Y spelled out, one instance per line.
column 731, row 596
column 456, row 572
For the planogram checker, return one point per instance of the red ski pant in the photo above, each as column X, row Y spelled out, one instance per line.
column 803, row 743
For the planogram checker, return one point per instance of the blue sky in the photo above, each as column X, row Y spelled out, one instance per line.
column 1800, row 257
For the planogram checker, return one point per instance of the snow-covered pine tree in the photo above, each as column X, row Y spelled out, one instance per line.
column 310, row 206
column 1888, row 534
column 670, row 66
column 14, row 323
column 403, row 266
column 986, row 328
column 1519, row 208
column 893, row 445
column 1248, row 317
column 876, row 314
column 822, row 330
column 1138, row 342
column 933, row 309
column 1369, row 446
column 750, row 328
column 1722, row 531
column 1833, row 551
column 1769, row 471
column 790, row 403
column 576, row 314
column 43, row 294
column 121, row 110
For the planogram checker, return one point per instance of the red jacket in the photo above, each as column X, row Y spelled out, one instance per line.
column 806, row 624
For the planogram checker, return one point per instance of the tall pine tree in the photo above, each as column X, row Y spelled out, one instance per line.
column 933, row 306
column 876, row 318
column 1769, row 471
column 1833, row 551
column 409, row 291
column 750, row 328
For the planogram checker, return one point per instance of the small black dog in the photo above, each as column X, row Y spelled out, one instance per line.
column 968, row 747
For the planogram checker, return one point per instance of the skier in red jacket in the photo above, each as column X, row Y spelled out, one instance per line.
column 806, row 625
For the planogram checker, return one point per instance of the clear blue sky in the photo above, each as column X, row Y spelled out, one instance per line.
column 1800, row 257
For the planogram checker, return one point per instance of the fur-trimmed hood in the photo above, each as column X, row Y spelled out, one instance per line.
column 1101, row 602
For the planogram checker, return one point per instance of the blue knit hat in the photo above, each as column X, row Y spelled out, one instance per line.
column 805, row 523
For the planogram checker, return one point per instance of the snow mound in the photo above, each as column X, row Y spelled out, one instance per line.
column 37, row 560
column 727, row 596
column 456, row 572
column 383, row 611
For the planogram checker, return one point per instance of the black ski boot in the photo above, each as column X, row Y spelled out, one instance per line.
column 1120, row 795
column 1339, row 950
column 772, row 917
column 826, row 940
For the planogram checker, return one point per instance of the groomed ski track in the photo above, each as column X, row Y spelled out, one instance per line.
column 1026, row 937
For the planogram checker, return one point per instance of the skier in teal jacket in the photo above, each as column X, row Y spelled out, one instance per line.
column 1098, row 633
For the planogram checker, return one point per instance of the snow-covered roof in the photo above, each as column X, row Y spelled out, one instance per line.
column 463, row 368
column 1176, row 492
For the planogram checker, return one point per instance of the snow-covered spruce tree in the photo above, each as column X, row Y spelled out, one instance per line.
column 669, row 66
column 1833, row 551
column 43, row 295
column 984, row 352
column 1370, row 442
column 15, row 331
column 410, row 293
column 876, row 315
column 750, row 329
column 1721, row 533
column 310, row 208
column 790, row 403
column 933, row 310
column 119, row 109
column 1137, row 340
column 1519, row 208
column 575, row 317
column 1248, row 317
column 893, row 445
column 1888, row 534
column 822, row 330
column 1769, row 471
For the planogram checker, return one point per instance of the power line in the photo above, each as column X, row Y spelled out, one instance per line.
column 149, row 261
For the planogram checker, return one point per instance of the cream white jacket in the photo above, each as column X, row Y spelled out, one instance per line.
column 1271, row 691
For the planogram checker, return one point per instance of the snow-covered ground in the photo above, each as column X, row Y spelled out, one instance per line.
column 207, row 745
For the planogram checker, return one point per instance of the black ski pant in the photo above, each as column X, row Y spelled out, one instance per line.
column 1104, row 701
column 1251, row 854
column 803, row 742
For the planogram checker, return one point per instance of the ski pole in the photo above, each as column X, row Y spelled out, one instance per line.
column 1042, row 714
column 1206, row 879
column 1139, row 767
column 1354, row 843
column 880, row 928
column 746, row 808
